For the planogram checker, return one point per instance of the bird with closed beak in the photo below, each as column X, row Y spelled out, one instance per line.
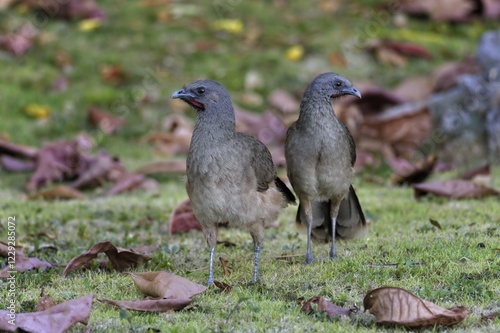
column 320, row 155
column 231, row 178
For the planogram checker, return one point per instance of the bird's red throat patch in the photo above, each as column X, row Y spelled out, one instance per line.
column 196, row 104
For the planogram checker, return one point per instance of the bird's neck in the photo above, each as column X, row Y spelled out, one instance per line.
column 316, row 111
column 214, row 126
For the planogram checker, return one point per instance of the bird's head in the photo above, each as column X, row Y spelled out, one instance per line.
column 203, row 95
column 332, row 85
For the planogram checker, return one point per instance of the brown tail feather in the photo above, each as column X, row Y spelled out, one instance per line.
column 351, row 221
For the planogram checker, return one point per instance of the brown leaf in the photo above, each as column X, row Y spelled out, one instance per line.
column 61, row 192
column 435, row 223
column 56, row 319
column 44, row 303
column 97, row 170
column 113, row 74
column 454, row 189
column 284, row 102
column 183, row 219
column 56, row 161
column 446, row 76
column 390, row 57
column 150, row 305
column 22, row 263
column 128, row 181
column 414, row 89
column 328, row 307
column 166, row 285
column 19, row 41
column 407, row 49
column 108, row 123
column 174, row 166
column 13, row 164
column 68, row 9
column 490, row 316
column 410, row 173
column 393, row 305
column 176, row 137
column 223, row 286
column 225, row 266
column 483, row 170
column 14, row 149
column 440, row 10
column 121, row 259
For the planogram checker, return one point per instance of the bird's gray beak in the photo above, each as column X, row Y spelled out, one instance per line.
column 352, row 91
column 182, row 94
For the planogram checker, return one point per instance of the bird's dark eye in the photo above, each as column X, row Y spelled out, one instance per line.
column 338, row 84
column 200, row 91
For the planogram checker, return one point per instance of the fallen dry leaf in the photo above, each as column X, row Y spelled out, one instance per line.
column 328, row 307
column 414, row 88
column 223, row 286
column 113, row 74
column 435, row 223
column 61, row 192
column 97, row 170
column 166, row 285
column 174, row 167
column 446, row 76
column 483, row 170
column 14, row 149
column 225, row 266
column 183, row 219
column 121, row 259
column 440, row 10
column 108, row 123
column 22, row 263
column 19, row 41
column 391, row 305
column 44, row 303
column 54, row 162
column 150, row 305
column 67, row 9
column 454, row 189
column 56, row 319
column 410, row 173
column 130, row 181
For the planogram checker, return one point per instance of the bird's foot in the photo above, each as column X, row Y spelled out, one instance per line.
column 333, row 254
column 309, row 260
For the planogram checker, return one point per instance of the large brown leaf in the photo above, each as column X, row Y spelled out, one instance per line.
column 121, row 259
column 328, row 307
column 454, row 189
column 166, row 285
column 150, row 305
column 61, row 192
column 108, row 123
column 393, row 305
column 22, row 263
column 182, row 219
column 55, row 319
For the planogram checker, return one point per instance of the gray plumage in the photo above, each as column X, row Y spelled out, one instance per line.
column 231, row 177
column 320, row 154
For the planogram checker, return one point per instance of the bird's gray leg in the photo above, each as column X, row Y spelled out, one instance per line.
column 257, row 232
column 306, row 205
column 211, row 237
column 334, row 211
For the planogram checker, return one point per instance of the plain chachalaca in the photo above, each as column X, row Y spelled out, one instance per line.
column 231, row 177
column 320, row 154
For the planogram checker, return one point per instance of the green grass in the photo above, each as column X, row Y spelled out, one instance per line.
column 444, row 266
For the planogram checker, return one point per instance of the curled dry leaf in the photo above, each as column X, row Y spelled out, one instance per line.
column 61, row 192
column 120, row 258
column 15, row 149
column 166, row 285
column 183, row 219
column 454, row 189
column 108, row 123
column 22, row 263
column 326, row 306
column 406, row 172
column 177, row 136
column 223, row 286
column 44, row 303
column 483, row 170
column 173, row 166
column 113, row 74
column 97, row 170
column 56, row 319
column 225, row 266
column 13, row 164
column 150, row 305
column 391, row 305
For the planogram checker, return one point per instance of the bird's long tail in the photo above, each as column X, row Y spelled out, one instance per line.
column 290, row 198
column 351, row 221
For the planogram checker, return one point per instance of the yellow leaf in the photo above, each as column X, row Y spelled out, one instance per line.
column 37, row 111
column 295, row 53
column 89, row 24
column 231, row 26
